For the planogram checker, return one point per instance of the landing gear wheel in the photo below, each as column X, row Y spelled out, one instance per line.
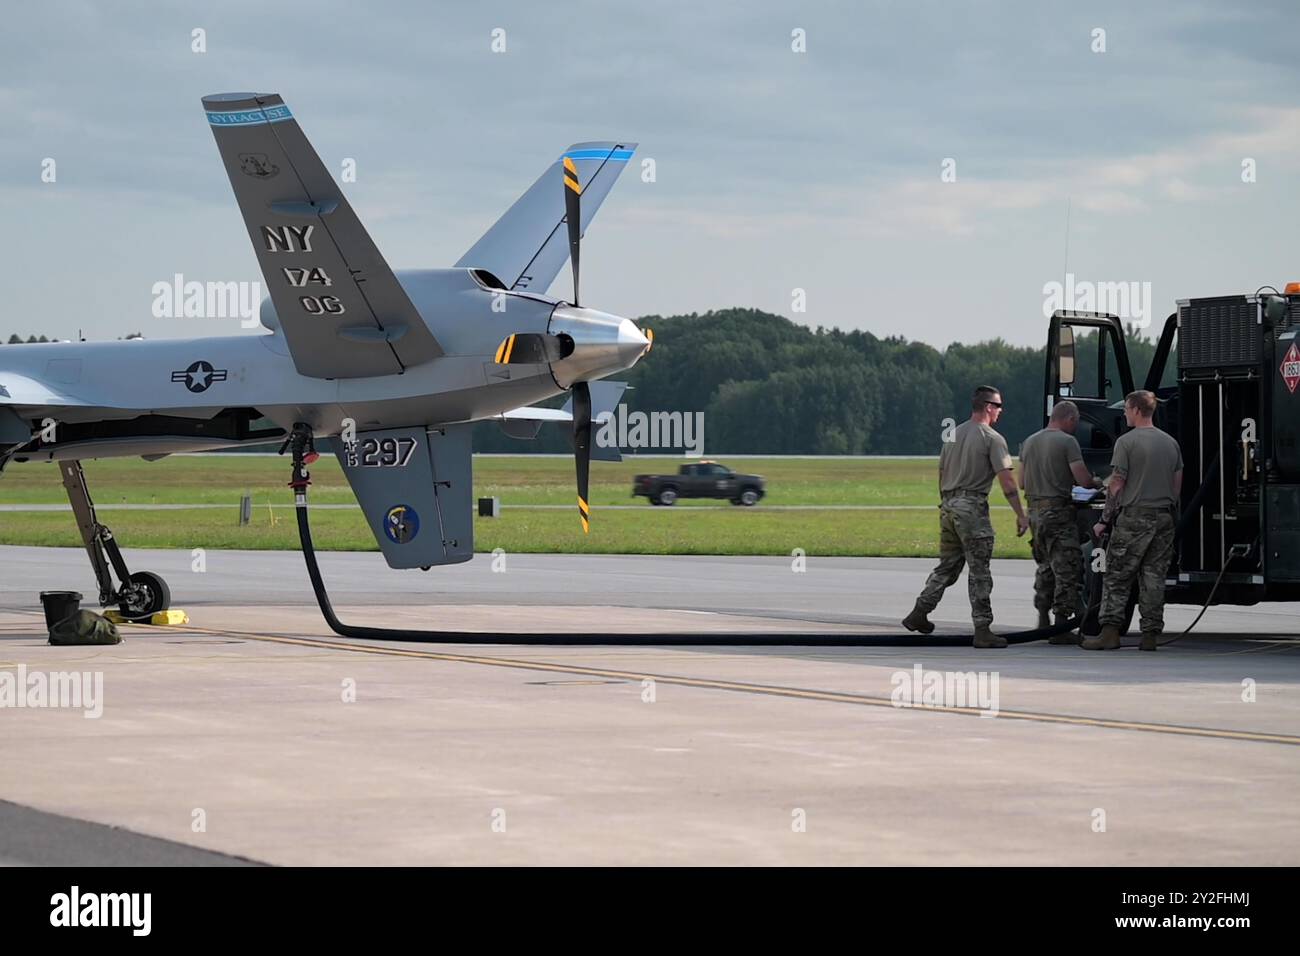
column 143, row 595
column 667, row 497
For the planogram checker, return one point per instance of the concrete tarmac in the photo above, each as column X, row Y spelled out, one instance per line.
column 255, row 734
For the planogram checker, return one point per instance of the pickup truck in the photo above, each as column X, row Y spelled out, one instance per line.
column 705, row 479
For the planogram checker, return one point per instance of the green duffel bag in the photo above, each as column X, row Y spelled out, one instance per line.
column 85, row 627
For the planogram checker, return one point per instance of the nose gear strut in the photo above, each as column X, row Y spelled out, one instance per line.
column 142, row 594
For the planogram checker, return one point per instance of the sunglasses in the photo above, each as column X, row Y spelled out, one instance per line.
column 994, row 404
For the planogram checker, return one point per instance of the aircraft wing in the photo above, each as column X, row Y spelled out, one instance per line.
column 16, row 389
column 341, row 309
column 416, row 490
column 528, row 245
column 604, row 399
column 529, row 413
column 527, row 421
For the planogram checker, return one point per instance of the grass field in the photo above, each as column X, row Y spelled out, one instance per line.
column 819, row 486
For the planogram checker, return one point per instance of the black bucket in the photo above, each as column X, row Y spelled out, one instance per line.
column 60, row 605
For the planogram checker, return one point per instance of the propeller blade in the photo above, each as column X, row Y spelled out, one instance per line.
column 582, row 448
column 573, row 213
column 649, row 334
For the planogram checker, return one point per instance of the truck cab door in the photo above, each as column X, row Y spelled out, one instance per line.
column 724, row 482
column 1087, row 363
column 1167, row 396
column 690, row 480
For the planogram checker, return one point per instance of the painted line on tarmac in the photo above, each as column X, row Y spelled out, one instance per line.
column 770, row 690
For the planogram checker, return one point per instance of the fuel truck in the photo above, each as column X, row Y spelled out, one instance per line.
column 1233, row 405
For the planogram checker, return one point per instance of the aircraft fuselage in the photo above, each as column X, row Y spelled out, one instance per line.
column 77, row 383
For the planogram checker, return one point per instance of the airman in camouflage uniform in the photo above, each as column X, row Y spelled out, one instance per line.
column 1051, row 463
column 1145, row 487
column 969, row 462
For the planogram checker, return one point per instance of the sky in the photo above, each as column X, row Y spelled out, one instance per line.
column 912, row 169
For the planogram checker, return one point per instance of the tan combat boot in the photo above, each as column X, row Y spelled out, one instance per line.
column 1150, row 642
column 1107, row 640
column 986, row 638
column 917, row 621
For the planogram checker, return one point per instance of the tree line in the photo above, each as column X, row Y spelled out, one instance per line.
column 767, row 385
column 16, row 339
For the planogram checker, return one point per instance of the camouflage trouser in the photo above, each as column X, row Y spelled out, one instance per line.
column 965, row 538
column 1055, row 544
column 1141, row 546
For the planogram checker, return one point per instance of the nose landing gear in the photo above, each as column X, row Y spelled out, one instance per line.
column 143, row 593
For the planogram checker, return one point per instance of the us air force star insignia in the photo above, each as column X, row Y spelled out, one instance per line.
column 199, row 376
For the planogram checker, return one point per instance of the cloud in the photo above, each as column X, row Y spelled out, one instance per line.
column 1204, row 169
column 770, row 162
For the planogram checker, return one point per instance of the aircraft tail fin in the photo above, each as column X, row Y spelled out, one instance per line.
column 415, row 488
column 341, row 309
column 527, row 247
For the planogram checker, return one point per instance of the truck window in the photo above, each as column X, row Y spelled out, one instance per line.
column 1096, row 372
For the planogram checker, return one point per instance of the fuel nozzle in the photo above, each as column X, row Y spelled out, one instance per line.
column 300, row 445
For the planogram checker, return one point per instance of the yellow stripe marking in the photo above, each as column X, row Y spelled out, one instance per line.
column 510, row 347
column 571, row 176
column 741, row 687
